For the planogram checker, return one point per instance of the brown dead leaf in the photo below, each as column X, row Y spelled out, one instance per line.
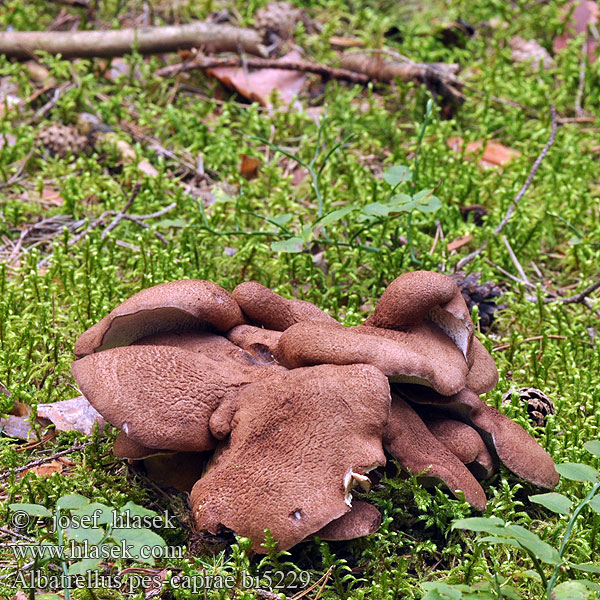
column 584, row 14
column 17, row 423
column 75, row 414
column 39, row 74
column 494, row 154
column 47, row 469
column 249, row 167
column 345, row 42
column 459, row 242
column 530, row 50
column 261, row 83
column 146, row 167
column 51, row 196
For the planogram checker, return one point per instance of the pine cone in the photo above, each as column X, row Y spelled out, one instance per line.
column 278, row 18
column 539, row 406
column 481, row 294
column 59, row 139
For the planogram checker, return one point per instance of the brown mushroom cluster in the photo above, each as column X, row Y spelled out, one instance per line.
column 299, row 408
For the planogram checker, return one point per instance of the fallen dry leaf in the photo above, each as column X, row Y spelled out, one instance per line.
column 17, row 424
column 494, row 154
column 529, row 50
column 584, row 14
column 249, row 167
column 75, row 414
column 146, row 167
column 261, row 83
column 459, row 242
column 47, row 469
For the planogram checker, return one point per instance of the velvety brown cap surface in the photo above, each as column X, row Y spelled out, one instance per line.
column 462, row 440
column 417, row 450
column 518, row 450
column 295, row 441
column 424, row 355
column 185, row 304
column 161, row 397
column 272, row 311
column 483, row 374
column 415, row 296
column 362, row 519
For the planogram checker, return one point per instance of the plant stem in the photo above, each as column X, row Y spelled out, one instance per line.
column 567, row 537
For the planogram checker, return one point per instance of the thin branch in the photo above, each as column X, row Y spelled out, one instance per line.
column 577, row 298
column 210, row 62
column 121, row 214
column 511, row 209
column 117, row 42
column 515, row 260
column 40, row 461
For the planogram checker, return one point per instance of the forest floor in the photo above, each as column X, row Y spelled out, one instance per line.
column 176, row 148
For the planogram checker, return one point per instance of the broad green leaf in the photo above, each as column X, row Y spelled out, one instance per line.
column 105, row 514
column 593, row 447
column 571, row 590
column 437, row 590
column 431, row 206
column 135, row 510
column 376, row 209
column 585, row 568
column 492, row 539
column 397, row 174
column 91, row 535
column 422, row 194
column 282, row 219
column 81, row 567
column 578, row 472
column 555, row 502
column 401, row 199
column 33, row 510
column 594, row 504
column 72, row 501
column 293, row 244
column 335, row 216
column 485, row 524
column 544, row 551
column 136, row 535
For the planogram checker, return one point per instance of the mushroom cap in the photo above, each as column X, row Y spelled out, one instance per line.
column 268, row 309
column 462, row 440
column 361, row 520
column 125, row 447
column 418, row 451
column 418, row 295
column 259, row 342
column 483, row 374
column 185, row 304
column 515, row 448
column 424, row 355
column 214, row 346
column 161, row 397
column 299, row 441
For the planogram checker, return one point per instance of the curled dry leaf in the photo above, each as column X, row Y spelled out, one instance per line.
column 260, row 84
column 249, row 166
column 76, row 414
column 460, row 242
column 583, row 15
column 530, row 50
column 494, row 154
column 47, row 469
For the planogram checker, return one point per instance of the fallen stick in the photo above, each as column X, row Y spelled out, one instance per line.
column 146, row 40
column 440, row 78
column 210, row 62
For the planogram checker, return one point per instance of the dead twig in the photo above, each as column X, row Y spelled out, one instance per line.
column 121, row 215
column 117, row 42
column 210, row 62
column 579, row 298
column 40, row 461
column 513, row 205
